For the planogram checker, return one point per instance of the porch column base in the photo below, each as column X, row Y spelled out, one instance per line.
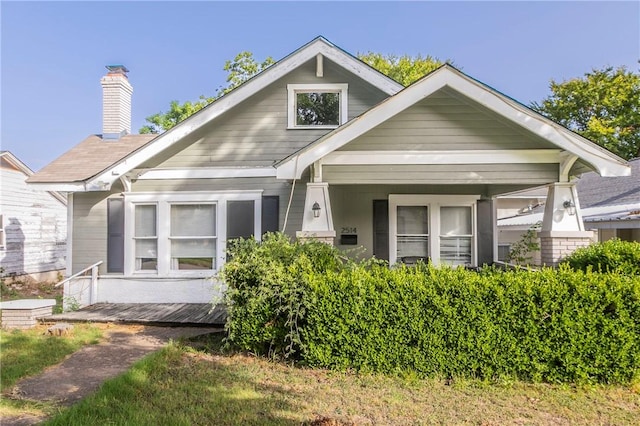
column 556, row 245
column 327, row 237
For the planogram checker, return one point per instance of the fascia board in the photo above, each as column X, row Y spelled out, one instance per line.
column 606, row 163
column 235, row 97
column 60, row 187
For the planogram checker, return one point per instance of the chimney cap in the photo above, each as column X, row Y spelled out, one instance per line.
column 117, row 69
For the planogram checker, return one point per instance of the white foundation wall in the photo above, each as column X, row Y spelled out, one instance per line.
column 80, row 292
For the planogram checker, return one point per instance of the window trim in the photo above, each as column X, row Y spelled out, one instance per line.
column 163, row 221
column 293, row 89
column 2, row 232
column 434, row 203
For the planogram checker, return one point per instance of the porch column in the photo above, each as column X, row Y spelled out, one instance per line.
column 317, row 203
column 562, row 227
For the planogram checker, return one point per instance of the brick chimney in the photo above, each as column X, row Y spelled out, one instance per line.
column 116, row 103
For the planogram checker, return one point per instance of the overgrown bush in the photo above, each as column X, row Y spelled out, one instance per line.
column 306, row 302
column 266, row 296
column 608, row 256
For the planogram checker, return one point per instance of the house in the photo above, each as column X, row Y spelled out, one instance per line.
column 33, row 224
column 319, row 145
column 609, row 207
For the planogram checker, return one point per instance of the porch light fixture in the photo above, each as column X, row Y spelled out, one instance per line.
column 569, row 207
column 316, row 209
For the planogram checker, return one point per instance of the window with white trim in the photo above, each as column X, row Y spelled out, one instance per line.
column 440, row 228
column 193, row 236
column 312, row 106
column 146, row 237
column 185, row 234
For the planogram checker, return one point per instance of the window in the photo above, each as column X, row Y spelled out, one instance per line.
column 317, row 105
column 193, row 235
column 436, row 227
column 413, row 233
column 185, row 234
column 455, row 235
column 146, row 238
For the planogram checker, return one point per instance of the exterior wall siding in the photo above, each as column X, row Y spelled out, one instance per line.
column 255, row 132
column 534, row 174
column 444, row 121
column 35, row 226
column 89, row 230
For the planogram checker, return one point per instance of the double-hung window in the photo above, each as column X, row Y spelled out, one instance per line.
column 185, row 234
column 146, row 237
column 317, row 105
column 436, row 227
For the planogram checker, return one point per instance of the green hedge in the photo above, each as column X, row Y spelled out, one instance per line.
column 608, row 256
column 308, row 303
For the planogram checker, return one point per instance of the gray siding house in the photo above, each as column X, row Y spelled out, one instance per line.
column 319, row 145
column 33, row 225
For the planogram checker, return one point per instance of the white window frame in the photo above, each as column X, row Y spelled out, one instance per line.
column 433, row 202
column 135, row 239
column 163, row 221
column 294, row 89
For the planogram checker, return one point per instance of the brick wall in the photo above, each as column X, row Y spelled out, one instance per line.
column 556, row 245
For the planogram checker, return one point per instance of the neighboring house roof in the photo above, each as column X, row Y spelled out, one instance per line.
column 602, row 199
column 89, row 158
column 447, row 76
column 111, row 171
column 15, row 162
column 539, row 192
column 593, row 190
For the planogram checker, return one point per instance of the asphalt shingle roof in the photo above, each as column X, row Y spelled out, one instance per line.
column 88, row 158
column 595, row 190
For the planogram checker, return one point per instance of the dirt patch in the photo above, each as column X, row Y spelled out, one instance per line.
column 25, row 287
column 85, row 370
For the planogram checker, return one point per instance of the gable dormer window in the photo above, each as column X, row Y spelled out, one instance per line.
column 313, row 106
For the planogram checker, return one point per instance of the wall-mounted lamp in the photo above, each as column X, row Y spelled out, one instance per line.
column 569, row 207
column 316, row 209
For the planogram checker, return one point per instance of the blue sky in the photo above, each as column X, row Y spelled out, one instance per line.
column 54, row 53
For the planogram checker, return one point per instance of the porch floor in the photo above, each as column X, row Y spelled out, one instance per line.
column 168, row 314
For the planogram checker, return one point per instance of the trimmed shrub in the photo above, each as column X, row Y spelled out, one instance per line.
column 608, row 256
column 306, row 302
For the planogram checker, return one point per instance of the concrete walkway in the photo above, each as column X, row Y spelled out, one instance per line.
column 85, row 370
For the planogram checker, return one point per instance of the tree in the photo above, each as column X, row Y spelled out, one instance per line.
column 403, row 69
column 603, row 106
column 240, row 69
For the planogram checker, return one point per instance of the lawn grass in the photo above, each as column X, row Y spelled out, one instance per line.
column 27, row 352
column 183, row 386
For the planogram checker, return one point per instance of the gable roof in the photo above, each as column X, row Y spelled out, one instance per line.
column 577, row 146
column 19, row 165
column 108, row 173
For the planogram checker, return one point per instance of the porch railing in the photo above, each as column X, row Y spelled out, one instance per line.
column 93, row 283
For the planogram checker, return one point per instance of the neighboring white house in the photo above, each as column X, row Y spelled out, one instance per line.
column 318, row 145
column 33, row 224
column 609, row 207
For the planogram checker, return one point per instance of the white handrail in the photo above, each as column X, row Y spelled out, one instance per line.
column 78, row 273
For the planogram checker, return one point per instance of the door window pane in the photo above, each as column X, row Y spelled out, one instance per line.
column 455, row 235
column 240, row 219
column 412, row 234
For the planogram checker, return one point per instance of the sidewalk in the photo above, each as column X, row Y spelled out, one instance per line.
column 85, row 370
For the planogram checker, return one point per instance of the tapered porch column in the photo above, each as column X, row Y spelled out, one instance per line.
column 317, row 222
column 562, row 227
